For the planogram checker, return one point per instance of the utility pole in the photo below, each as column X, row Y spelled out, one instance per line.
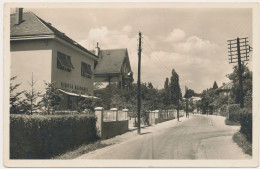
column 186, row 99
column 238, row 52
column 139, row 83
column 178, row 107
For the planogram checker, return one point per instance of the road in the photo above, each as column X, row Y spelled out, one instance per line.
column 197, row 137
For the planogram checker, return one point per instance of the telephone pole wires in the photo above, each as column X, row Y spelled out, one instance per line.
column 139, row 83
column 238, row 51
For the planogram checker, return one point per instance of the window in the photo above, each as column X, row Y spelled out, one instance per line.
column 86, row 70
column 64, row 62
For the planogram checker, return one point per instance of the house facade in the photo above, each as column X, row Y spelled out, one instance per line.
column 114, row 67
column 41, row 51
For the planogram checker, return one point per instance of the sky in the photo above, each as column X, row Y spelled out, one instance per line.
column 193, row 41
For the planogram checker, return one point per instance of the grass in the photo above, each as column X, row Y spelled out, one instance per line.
column 231, row 123
column 81, row 150
column 242, row 142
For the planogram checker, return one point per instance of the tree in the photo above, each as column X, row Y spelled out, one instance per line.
column 189, row 93
column 215, row 86
column 29, row 103
column 175, row 90
column 85, row 104
column 51, row 99
column 247, row 85
column 166, row 83
column 15, row 98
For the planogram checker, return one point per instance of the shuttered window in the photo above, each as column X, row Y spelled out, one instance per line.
column 86, row 70
column 64, row 62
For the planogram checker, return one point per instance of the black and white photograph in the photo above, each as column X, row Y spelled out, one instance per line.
column 131, row 84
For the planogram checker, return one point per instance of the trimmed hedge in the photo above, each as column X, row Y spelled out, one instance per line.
column 42, row 137
column 234, row 112
column 246, row 123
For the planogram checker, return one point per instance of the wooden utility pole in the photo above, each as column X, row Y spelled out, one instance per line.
column 178, row 107
column 240, row 75
column 139, row 84
column 238, row 50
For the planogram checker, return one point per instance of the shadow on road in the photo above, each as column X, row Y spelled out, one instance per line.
column 145, row 133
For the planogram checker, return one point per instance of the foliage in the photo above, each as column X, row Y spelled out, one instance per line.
column 246, row 123
column 15, row 98
column 247, row 85
column 223, row 111
column 189, row 93
column 42, row 137
column 28, row 104
column 242, row 142
column 215, row 85
column 175, row 90
column 86, row 103
column 233, row 111
column 51, row 99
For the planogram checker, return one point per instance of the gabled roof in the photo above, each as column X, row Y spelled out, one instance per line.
column 34, row 26
column 111, row 61
column 226, row 86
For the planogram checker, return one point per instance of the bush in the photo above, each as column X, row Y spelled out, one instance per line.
column 223, row 111
column 233, row 112
column 42, row 137
column 246, row 123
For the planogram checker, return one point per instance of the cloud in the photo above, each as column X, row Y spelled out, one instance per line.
column 195, row 46
column 175, row 36
column 194, row 59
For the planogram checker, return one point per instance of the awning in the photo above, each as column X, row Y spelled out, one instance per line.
column 76, row 95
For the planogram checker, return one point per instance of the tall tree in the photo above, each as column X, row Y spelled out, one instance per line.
column 215, row 85
column 175, row 90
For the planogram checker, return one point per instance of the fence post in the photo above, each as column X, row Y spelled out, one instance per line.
column 126, row 113
column 99, row 123
column 115, row 110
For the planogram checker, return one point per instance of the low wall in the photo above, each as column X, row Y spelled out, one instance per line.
column 113, row 128
column 108, row 127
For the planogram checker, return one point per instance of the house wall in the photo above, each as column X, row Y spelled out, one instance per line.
column 27, row 57
column 74, row 77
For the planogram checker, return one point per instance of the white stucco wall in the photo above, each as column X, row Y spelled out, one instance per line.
column 74, row 77
column 31, row 57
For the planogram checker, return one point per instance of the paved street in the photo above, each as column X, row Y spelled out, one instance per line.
column 199, row 137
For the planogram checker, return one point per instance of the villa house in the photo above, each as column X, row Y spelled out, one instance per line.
column 114, row 67
column 39, row 48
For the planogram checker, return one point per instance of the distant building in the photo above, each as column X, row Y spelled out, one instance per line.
column 38, row 47
column 114, row 67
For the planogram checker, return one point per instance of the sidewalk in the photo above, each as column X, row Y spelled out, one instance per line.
column 132, row 134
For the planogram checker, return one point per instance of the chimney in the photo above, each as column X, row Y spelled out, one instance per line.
column 97, row 50
column 19, row 15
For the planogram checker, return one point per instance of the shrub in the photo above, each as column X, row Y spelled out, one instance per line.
column 233, row 111
column 223, row 111
column 42, row 137
column 246, row 123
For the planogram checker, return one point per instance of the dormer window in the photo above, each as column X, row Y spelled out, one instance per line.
column 64, row 62
column 86, row 70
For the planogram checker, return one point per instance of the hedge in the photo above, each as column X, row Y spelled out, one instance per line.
column 246, row 123
column 42, row 137
column 234, row 112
